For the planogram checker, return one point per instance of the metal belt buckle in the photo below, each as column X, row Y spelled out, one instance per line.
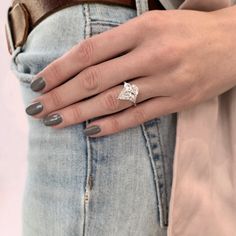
column 8, row 30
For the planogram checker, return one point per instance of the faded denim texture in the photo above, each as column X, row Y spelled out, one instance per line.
column 117, row 185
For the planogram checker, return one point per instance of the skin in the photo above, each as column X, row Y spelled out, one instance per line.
column 177, row 58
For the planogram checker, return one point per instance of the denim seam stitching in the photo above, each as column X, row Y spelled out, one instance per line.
column 155, row 174
column 104, row 24
column 163, row 166
column 87, row 34
column 94, row 20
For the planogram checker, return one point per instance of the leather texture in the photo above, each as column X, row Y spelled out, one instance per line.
column 24, row 15
column 19, row 26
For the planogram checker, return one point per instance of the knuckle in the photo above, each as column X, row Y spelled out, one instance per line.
column 56, row 98
column 54, row 71
column 139, row 115
column 85, row 50
column 111, row 103
column 168, row 55
column 184, row 78
column 153, row 16
column 114, row 124
column 170, row 52
column 75, row 113
column 90, row 78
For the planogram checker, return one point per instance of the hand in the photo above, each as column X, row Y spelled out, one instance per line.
column 177, row 58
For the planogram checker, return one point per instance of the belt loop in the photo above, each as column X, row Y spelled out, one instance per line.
column 141, row 6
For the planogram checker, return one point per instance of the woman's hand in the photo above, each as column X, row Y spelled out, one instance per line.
column 177, row 58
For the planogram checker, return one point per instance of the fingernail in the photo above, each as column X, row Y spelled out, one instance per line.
column 92, row 130
column 37, row 84
column 52, row 120
column 34, row 108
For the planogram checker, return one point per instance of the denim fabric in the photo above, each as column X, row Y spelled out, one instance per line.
column 116, row 185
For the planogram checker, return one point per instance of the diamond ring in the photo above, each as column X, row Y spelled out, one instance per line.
column 129, row 92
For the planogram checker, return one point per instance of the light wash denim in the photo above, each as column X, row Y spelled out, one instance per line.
column 116, row 185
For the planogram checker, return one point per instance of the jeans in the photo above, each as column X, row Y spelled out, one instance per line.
column 116, row 185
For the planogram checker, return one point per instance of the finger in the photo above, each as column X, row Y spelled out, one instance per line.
column 132, row 116
column 91, row 81
column 65, row 95
column 100, row 105
column 98, row 48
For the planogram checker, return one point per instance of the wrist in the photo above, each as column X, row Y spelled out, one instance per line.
column 226, row 18
column 226, row 23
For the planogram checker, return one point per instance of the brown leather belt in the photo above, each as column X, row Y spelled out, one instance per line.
column 24, row 15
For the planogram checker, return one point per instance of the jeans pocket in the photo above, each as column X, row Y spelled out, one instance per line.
column 160, row 136
column 60, row 31
column 49, row 40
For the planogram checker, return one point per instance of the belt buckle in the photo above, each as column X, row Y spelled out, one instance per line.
column 8, row 31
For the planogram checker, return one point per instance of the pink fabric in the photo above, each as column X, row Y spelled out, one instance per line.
column 205, row 5
column 203, row 197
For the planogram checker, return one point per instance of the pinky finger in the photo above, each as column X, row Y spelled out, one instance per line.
column 131, row 117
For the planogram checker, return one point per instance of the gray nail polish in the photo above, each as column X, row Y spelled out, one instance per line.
column 37, row 84
column 92, row 130
column 52, row 120
column 34, row 108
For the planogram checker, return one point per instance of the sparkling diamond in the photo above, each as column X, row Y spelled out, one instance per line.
column 129, row 92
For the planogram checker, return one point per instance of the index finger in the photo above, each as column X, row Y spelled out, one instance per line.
column 90, row 51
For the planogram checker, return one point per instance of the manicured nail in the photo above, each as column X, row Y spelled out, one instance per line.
column 34, row 108
column 37, row 84
column 52, row 120
column 92, row 130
